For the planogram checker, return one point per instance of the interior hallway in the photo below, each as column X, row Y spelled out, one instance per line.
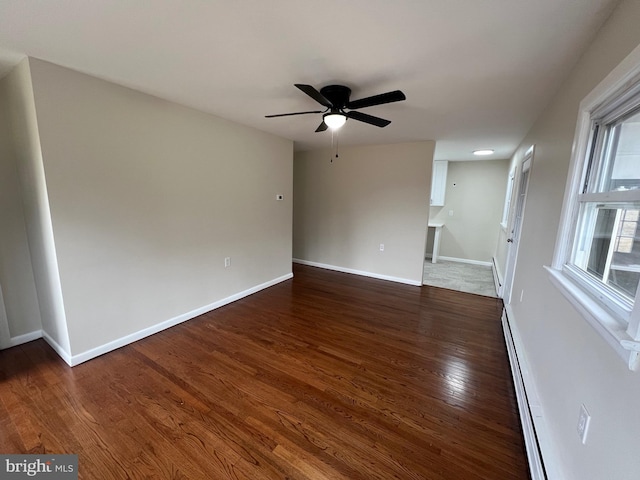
column 463, row 277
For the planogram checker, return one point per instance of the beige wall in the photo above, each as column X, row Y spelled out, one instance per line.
column 370, row 195
column 16, row 271
column 475, row 193
column 570, row 362
column 148, row 198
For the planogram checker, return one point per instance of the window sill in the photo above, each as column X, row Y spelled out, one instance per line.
column 600, row 319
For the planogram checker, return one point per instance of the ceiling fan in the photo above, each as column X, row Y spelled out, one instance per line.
column 336, row 100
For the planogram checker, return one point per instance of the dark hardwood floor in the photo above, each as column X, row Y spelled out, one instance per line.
column 326, row 376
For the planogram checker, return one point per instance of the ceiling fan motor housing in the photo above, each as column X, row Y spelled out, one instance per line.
column 338, row 95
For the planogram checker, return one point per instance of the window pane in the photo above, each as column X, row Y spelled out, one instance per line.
column 621, row 161
column 607, row 246
column 507, row 199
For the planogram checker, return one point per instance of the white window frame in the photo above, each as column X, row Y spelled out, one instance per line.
column 622, row 334
column 506, row 209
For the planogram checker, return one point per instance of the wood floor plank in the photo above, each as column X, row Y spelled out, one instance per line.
column 325, row 376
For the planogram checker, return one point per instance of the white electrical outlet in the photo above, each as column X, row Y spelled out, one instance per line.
column 382, row 247
column 583, row 423
column 451, row 213
column 227, row 262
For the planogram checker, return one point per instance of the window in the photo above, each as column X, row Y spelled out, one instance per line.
column 597, row 258
column 605, row 252
column 507, row 200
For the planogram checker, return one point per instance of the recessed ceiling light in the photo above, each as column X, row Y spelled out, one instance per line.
column 483, row 152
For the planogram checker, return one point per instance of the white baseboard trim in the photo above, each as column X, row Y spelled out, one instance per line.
column 133, row 337
column 540, row 452
column 465, row 260
column 25, row 338
column 358, row 272
column 66, row 356
column 35, row 335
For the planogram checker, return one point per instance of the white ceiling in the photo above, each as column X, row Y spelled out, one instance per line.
column 476, row 73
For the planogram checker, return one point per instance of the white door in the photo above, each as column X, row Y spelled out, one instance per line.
column 516, row 217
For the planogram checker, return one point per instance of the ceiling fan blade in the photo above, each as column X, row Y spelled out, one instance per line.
column 322, row 127
column 363, row 117
column 289, row 114
column 315, row 94
column 389, row 97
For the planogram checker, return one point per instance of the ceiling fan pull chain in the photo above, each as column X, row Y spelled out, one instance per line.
column 334, row 142
column 331, row 154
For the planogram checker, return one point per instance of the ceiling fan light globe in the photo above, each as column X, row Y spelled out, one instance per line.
column 334, row 120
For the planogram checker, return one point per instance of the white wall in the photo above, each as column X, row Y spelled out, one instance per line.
column 17, row 283
column 28, row 164
column 370, row 195
column 475, row 193
column 148, row 198
column 570, row 363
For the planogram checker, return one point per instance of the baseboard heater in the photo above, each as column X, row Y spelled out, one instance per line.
column 532, row 445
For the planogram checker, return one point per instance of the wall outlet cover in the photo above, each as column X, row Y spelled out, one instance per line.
column 583, row 423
